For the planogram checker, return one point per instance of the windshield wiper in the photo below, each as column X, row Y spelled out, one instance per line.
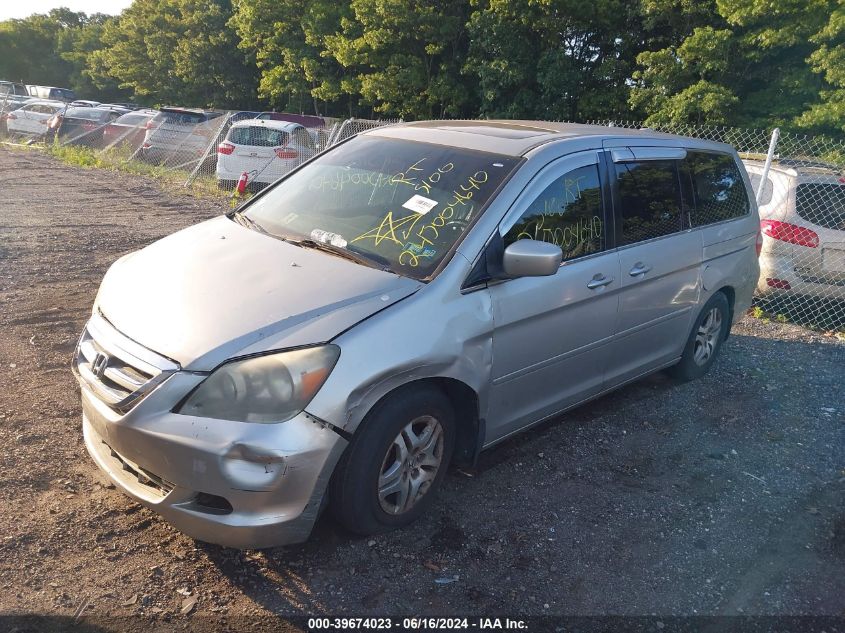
column 371, row 261
column 243, row 220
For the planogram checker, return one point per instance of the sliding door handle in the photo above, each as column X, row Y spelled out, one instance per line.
column 598, row 281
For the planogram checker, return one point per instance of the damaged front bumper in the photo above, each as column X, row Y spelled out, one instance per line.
column 241, row 485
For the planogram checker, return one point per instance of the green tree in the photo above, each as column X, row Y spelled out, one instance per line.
column 75, row 46
column 177, row 51
column 28, row 48
column 737, row 62
column 557, row 59
column 404, row 57
column 286, row 38
column 828, row 115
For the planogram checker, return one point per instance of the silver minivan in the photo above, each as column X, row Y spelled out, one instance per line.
column 402, row 301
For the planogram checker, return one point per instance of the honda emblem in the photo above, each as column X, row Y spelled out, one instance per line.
column 99, row 365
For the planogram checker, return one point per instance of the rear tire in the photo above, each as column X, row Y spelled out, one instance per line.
column 705, row 340
column 390, row 473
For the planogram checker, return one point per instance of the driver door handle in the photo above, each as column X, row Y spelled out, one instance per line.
column 598, row 281
column 639, row 269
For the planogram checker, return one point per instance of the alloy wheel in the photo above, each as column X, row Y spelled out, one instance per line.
column 411, row 464
column 707, row 337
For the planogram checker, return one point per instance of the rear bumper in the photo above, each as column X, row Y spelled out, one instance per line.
column 776, row 272
column 182, row 467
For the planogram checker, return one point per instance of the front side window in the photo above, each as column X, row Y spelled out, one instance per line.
column 568, row 214
column 403, row 204
column 650, row 199
column 720, row 192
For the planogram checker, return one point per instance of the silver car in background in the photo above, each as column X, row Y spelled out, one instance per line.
column 802, row 215
column 400, row 302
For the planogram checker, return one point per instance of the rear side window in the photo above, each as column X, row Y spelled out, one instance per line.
column 650, row 198
column 720, row 192
column 823, row 204
column 303, row 138
column 180, row 118
column 258, row 136
column 86, row 113
column 132, row 119
column 568, row 214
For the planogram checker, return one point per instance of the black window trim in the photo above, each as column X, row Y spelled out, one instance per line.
column 617, row 207
column 481, row 275
column 617, row 202
column 606, row 209
column 739, row 167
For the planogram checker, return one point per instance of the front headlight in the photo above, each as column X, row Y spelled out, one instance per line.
column 270, row 388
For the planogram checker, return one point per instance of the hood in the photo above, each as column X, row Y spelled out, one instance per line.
column 204, row 294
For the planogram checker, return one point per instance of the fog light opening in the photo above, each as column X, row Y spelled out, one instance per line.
column 213, row 504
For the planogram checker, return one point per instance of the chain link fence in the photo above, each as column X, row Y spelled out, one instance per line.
column 213, row 152
column 799, row 180
column 799, row 183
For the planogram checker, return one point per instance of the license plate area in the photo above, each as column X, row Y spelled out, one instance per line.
column 833, row 260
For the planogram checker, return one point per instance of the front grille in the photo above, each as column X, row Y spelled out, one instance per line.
column 118, row 370
column 144, row 477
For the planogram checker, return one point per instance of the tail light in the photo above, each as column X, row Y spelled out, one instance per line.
column 759, row 244
column 89, row 126
column 791, row 233
column 54, row 122
column 286, row 153
column 225, row 148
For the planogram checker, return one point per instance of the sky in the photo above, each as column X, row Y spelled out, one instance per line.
column 23, row 8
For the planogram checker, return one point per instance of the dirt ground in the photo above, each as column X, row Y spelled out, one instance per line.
column 721, row 496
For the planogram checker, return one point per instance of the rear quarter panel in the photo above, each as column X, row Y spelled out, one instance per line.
column 729, row 255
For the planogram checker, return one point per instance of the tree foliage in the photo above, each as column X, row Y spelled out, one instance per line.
column 729, row 61
column 177, row 51
column 732, row 62
column 558, row 59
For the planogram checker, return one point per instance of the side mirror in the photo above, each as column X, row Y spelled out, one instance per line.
column 531, row 258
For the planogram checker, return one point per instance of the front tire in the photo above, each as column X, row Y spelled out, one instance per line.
column 390, row 473
column 705, row 340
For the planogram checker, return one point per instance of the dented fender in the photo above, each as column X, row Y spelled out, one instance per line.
column 408, row 342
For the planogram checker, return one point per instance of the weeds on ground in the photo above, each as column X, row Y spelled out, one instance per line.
column 121, row 158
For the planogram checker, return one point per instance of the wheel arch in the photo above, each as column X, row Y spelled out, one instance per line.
column 730, row 294
column 469, row 426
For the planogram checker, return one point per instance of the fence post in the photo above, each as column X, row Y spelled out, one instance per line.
column 765, row 175
column 212, row 144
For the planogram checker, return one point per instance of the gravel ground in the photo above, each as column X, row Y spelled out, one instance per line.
column 721, row 496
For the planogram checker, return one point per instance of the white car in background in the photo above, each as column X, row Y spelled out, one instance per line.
column 32, row 120
column 802, row 219
column 263, row 149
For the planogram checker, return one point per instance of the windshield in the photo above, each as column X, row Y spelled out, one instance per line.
column 400, row 202
column 86, row 113
column 180, row 118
